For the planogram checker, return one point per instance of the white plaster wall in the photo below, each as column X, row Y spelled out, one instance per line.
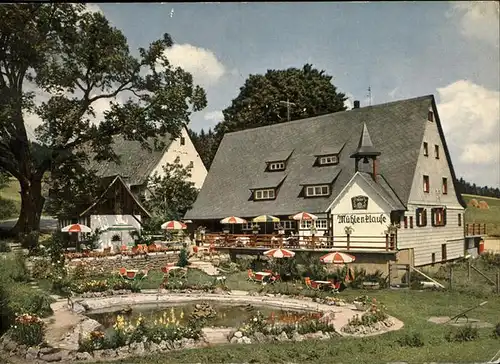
column 104, row 221
column 427, row 240
column 364, row 232
column 187, row 153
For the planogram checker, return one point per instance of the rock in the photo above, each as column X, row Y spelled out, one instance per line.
column 78, row 308
column 246, row 340
column 234, row 340
column 219, row 290
column 9, row 345
column 164, row 345
column 297, row 337
column 52, row 357
column 238, row 334
column 177, row 344
column 137, row 348
column 282, row 337
column 153, row 347
column 32, row 353
column 47, row 350
column 83, row 356
column 109, row 353
column 239, row 340
column 123, row 351
column 260, row 337
column 189, row 343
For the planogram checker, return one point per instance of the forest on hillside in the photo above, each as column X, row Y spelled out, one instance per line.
column 473, row 189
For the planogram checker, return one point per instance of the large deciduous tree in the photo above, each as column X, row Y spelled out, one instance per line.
column 263, row 101
column 78, row 59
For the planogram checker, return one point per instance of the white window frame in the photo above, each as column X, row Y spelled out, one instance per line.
column 318, row 190
column 264, row 194
column 328, row 159
column 247, row 226
column 305, row 224
column 321, row 224
column 276, row 166
column 426, row 186
column 286, row 224
column 439, row 212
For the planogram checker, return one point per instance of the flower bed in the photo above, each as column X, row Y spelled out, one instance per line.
column 103, row 254
column 296, row 327
column 28, row 330
column 374, row 319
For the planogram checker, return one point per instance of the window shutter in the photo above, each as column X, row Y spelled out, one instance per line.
column 444, row 217
column 433, row 218
column 417, row 214
column 424, row 217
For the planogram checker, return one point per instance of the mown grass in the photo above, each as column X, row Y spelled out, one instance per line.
column 490, row 217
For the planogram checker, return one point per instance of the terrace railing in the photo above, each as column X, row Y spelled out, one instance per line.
column 475, row 229
column 344, row 242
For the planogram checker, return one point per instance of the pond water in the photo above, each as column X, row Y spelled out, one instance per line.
column 226, row 315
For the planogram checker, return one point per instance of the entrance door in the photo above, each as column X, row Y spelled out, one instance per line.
column 443, row 252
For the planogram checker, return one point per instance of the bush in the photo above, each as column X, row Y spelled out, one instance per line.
column 183, row 258
column 28, row 330
column 463, row 333
column 13, row 268
column 25, row 299
column 8, row 209
column 412, row 340
column 496, row 331
column 41, row 269
column 4, row 247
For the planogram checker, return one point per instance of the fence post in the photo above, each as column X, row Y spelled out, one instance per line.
column 348, row 241
column 390, row 274
column 386, row 242
column 468, row 270
column 498, row 282
column 451, row 277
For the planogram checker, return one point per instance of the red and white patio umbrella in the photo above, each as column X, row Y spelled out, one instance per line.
column 279, row 253
column 173, row 225
column 76, row 228
column 304, row 216
column 233, row 220
column 337, row 258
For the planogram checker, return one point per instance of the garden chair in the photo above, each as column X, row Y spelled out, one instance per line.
column 251, row 275
column 122, row 272
column 335, row 286
column 310, row 284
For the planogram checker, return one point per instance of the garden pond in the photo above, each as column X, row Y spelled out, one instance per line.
column 217, row 315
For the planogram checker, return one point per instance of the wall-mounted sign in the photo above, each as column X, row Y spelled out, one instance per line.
column 359, row 202
column 362, row 219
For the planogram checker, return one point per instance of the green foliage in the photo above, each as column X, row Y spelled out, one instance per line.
column 28, row 330
column 412, row 340
column 183, row 258
column 260, row 102
column 313, row 268
column 8, row 209
column 4, row 246
column 173, row 193
column 41, row 269
column 462, row 334
column 4, row 179
column 496, row 331
column 79, row 59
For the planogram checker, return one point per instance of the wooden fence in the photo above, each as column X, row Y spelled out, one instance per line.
column 475, row 229
column 345, row 242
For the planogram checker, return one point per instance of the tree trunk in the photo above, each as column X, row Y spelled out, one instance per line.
column 28, row 224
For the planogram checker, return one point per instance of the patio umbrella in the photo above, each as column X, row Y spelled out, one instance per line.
column 233, row 220
column 173, row 225
column 279, row 253
column 304, row 216
column 265, row 219
column 337, row 258
column 76, row 228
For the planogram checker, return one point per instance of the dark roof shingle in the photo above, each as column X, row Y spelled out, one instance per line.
column 396, row 131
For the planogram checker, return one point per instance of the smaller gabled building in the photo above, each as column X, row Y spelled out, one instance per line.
column 367, row 171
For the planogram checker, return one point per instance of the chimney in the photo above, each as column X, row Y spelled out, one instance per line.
column 356, row 104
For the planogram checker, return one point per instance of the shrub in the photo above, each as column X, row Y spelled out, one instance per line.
column 183, row 258
column 80, row 271
column 28, row 330
column 4, row 247
column 41, row 269
column 413, row 340
column 463, row 333
column 23, row 298
column 8, row 209
column 496, row 331
column 13, row 268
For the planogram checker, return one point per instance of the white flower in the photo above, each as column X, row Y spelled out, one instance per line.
column 255, row 319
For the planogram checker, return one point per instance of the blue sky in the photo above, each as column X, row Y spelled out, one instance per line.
column 400, row 50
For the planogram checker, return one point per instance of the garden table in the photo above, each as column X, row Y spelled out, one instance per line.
column 131, row 273
column 323, row 283
column 261, row 276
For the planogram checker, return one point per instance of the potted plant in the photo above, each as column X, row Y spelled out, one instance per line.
column 281, row 229
column 255, row 228
column 348, row 230
column 362, row 303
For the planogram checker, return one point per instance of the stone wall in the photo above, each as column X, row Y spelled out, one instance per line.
column 113, row 263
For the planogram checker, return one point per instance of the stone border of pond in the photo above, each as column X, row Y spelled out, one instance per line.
column 68, row 324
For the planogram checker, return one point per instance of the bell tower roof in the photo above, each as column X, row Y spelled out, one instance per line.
column 365, row 145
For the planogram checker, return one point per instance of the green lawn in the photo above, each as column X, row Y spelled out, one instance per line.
column 11, row 192
column 490, row 217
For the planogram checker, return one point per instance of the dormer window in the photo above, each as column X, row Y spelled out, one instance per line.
column 276, row 166
column 320, row 190
column 265, row 194
column 328, row 160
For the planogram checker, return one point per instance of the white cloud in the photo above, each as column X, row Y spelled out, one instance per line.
column 470, row 115
column 348, row 103
column 478, row 20
column 213, row 116
column 200, row 62
column 94, row 8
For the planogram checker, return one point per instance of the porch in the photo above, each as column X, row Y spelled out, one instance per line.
column 222, row 241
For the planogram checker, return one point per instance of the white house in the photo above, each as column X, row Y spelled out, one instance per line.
column 381, row 173
column 124, row 184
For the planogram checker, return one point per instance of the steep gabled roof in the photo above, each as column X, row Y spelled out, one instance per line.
column 136, row 162
column 396, row 129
